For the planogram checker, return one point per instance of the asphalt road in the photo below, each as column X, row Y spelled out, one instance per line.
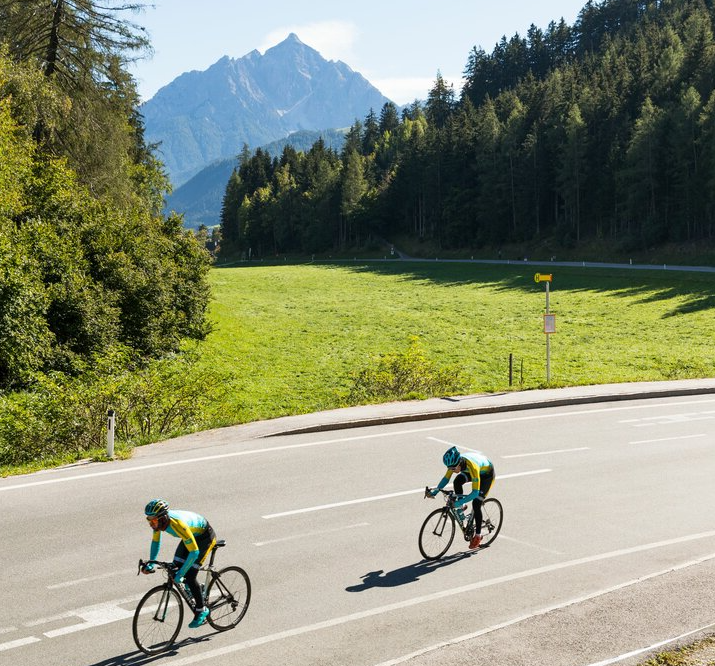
column 608, row 545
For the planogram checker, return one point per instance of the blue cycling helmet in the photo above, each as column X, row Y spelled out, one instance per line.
column 451, row 457
column 156, row 508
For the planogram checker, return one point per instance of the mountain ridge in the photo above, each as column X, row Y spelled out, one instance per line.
column 205, row 116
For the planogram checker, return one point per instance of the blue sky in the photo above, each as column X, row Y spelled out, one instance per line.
column 398, row 46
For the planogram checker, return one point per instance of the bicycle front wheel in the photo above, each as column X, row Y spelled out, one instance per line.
column 227, row 597
column 437, row 534
column 492, row 516
column 157, row 620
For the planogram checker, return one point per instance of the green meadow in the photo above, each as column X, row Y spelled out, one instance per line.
column 296, row 336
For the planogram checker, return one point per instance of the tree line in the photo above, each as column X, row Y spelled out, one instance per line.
column 600, row 130
column 89, row 267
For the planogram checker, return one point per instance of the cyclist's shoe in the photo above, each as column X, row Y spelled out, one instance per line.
column 199, row 619
column 475, row 542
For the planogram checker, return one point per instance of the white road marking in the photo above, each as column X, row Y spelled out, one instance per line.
column 666, row 439
column 18, row 643
column 376, row 498
column 666, row 419
column 89, row 579
column 93, row 616
column 549, row 609
column 546, row 453
column 655, row 646
column 105, row 613
column 287, row 447
column 444, row 441
column 311, row 534
column 407, row 603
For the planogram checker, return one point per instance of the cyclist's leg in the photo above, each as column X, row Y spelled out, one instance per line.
column 190, row 578
column 486, row 479
column 205, row 542
column 458, row 483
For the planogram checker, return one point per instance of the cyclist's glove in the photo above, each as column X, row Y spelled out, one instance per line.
column 148, row 567
column 178, row 578
column 459, row 501
column 433, row 492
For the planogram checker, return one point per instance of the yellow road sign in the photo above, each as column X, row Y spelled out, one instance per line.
column 546, row 277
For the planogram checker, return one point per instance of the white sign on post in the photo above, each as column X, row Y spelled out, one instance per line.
column 549, row 323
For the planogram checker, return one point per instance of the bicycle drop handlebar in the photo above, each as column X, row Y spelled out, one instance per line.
column 169, row 566
column 450, row 495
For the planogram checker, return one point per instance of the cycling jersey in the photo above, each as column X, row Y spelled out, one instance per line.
column 477, row 465
column 184, row 525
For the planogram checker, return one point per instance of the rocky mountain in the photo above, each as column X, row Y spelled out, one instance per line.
column 202, row 117
column 200, row 198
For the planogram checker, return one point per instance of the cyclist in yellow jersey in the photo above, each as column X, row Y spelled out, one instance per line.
column 197, row 540
column 474, row 467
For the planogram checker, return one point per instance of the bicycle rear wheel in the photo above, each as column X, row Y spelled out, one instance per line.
column 228, row 596
column 492, row 516
column 437, row 534
column 157, row 620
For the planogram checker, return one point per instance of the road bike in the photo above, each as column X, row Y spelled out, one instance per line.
column 160, row 613
column 440, row 526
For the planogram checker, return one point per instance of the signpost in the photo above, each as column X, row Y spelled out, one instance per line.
column 549, row 321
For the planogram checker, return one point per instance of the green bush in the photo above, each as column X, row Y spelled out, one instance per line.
column 63, row 417
column 406, row 375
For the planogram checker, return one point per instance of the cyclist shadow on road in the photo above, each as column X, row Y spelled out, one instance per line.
column 136, row 658
column 405, row 575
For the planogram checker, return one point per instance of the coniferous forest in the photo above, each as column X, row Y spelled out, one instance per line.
column 604, row 130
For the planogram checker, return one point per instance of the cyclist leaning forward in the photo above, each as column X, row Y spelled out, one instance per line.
column 474, row 467
column 197, row 540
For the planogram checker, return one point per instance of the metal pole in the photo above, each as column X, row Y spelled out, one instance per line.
column 110, row 433
column 511, row 368
column 548, row 341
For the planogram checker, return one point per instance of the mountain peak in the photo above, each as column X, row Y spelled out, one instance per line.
column 252, row 100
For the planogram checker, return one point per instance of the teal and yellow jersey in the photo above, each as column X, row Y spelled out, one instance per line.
column 477, row 463
column 184, row 525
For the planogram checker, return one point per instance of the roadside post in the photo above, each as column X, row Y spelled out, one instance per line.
column 549, row 321
column 110, row 433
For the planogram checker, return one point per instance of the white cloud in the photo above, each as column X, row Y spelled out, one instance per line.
column 334, row 40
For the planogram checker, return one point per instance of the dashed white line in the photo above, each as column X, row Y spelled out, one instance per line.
column 104, row 614
column 546, row 453
column 18, row 643
column 311, row 534
column 666, row 439
column 376, row 498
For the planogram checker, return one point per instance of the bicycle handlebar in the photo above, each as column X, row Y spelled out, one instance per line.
column 169, row 566
column 450, row 494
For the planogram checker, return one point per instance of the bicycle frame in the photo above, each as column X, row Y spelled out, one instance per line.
column 183, row 590
column 467, row 528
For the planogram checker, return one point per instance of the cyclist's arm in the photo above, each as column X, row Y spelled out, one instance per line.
column 155, row 545
column 443, row 481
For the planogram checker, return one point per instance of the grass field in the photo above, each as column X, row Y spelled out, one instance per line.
column 295, row 335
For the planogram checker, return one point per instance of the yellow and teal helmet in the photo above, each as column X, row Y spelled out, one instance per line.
column 451, row 457
column 156, row 508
